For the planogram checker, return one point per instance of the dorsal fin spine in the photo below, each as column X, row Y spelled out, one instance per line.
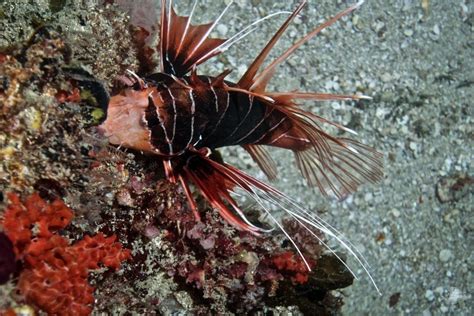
column 206, row 35
column 188, row 23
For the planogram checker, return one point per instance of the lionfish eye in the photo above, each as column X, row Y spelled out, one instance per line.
column 99, row 95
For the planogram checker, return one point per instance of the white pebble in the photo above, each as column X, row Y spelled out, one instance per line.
column 386, row 77
column 429, row 295
column 439, row 290
column 408, row 32
column 455, row 296
column 444, row 309
column 445, row 255
column 395, row 212
column 222, row 29
column 368, row 196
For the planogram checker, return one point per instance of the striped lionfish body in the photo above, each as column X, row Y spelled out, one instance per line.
column 181, row 117
column 201, row 112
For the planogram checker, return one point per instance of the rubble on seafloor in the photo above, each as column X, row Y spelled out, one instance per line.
column 49, row 149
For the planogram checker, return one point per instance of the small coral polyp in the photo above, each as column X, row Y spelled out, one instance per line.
column 55, row 272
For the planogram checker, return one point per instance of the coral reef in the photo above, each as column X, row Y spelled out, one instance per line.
column 221, row 269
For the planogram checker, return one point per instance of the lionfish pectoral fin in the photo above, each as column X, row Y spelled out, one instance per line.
column 216, row 181
column 216, row 186
column 182, row 45
column 263, row 159
column 266, row 195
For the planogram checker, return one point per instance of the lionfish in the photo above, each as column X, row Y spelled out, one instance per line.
column 182, row 117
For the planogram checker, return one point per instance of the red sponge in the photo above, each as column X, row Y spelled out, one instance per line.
column 55, row 274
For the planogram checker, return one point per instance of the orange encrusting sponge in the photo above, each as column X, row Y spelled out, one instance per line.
column 55, row 273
